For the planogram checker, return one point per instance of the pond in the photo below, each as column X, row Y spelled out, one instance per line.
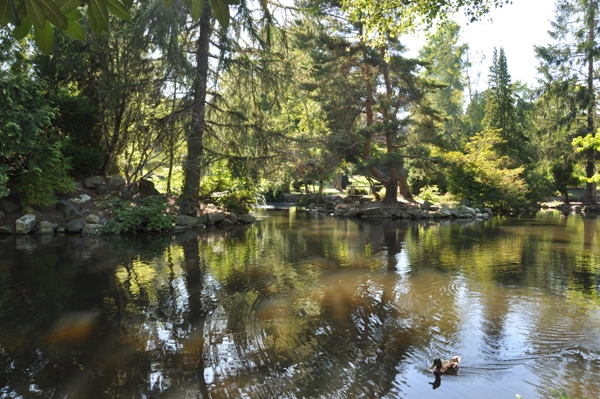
column 298, row 306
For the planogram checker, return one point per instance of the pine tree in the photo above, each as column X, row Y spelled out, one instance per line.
column 569, row 67
column 500, row 109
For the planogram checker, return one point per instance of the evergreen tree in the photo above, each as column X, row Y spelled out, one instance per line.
column 501, row 112
column 569, row 68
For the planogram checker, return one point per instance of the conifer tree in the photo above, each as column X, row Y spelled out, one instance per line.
column 569, row 68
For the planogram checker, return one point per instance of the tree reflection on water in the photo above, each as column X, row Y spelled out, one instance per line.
column 296, row 306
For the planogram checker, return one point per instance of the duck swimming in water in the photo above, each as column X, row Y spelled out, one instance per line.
column 447, row 367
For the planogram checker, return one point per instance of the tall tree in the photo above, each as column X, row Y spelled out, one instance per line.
column 500, row 109
column 569, row 68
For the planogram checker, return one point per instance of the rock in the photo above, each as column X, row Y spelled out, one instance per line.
column 7, row 229
column 233, row 217
column 226, row 224
column 372, row 211
column 426, row 205
column 1, row 215
column 340, row 212
column 216, row 217
column 75, row 226
column 117, row 181
column 45, row 227
column 25, row 224
column 102, row 189
column 70, row 211
column 180, row 229
column 92, row 229
column 8, row 206
column 93, row 182
column 78, row 186
column 92, row 219
column 202, row 219
column 465, row 202
column 146, row 188
column 246, row 218
column 82, row 198
column 186, row 221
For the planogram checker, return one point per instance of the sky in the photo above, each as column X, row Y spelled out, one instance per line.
column 517, row 27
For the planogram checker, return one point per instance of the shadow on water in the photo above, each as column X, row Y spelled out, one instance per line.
column 296, row 306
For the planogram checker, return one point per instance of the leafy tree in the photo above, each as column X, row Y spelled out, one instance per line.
column 30, row 156
column 569, row 68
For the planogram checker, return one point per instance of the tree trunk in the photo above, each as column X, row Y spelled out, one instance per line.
column 590, row 155
column 191, row 166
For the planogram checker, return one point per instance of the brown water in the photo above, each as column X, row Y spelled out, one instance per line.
column 297, row 306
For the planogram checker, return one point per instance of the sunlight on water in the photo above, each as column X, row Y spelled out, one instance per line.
column 301, row 307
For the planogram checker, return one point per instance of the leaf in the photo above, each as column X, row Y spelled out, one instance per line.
column 44, row 38
column 100, row 13
column 168, row 3
column 221, row 10
column 66, row 6
column 118, row 9
column 128, row 4
column 197, row 7
column 75, row 31
column 93, row 23
column 233, row 2
column 36, row 13
column 23, row 30
column 14, row 14
column 188, row 3
column 74, row 15
column 5, row 12
column 53, row 13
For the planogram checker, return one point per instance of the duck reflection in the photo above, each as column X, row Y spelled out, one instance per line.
column 438, row 381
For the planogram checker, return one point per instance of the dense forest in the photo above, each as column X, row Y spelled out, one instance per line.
column 257, row 97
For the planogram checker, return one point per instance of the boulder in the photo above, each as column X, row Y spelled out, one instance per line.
column 232, row 217
column 45, row 227
column 25, row 224
column 8, row 206
column 7, row 229
column 216, row 217
column 82, row 198
column 226, row 224
column 426, row 205
column 372, row 211
column 186, row 221
column 93, row 181
column 92, row 219
column 102, row 189
column 70, row 211
column 146, row 188
column 117, row 180
column 75, row 226
column 246, row 218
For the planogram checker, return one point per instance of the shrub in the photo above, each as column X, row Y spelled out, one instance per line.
column 85, row 161
column 149, row 214
column 237, row 199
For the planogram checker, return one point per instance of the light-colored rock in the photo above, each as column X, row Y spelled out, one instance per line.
column 92, row 219
column 81, row 199
column 45, row 227
column 25, row 224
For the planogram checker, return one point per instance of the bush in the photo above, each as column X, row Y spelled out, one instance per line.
column 149, row 214
column 237, row 199
column 85, row 161
column 47, row 175
column 273, row 194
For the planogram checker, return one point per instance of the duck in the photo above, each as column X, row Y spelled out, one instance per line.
column 447, row 367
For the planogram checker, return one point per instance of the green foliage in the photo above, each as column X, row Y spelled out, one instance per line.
column 148, row 215
column 85, row 161
column 237, row 199
column 273, row 194
column 430, row 193
column 46, row 176
column 484, row 177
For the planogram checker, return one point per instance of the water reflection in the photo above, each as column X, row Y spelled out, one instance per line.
column 297, row 306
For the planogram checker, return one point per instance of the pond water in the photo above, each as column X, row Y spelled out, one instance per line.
column 298, row 306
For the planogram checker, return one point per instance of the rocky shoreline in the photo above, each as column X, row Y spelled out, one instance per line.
column 88, row 209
